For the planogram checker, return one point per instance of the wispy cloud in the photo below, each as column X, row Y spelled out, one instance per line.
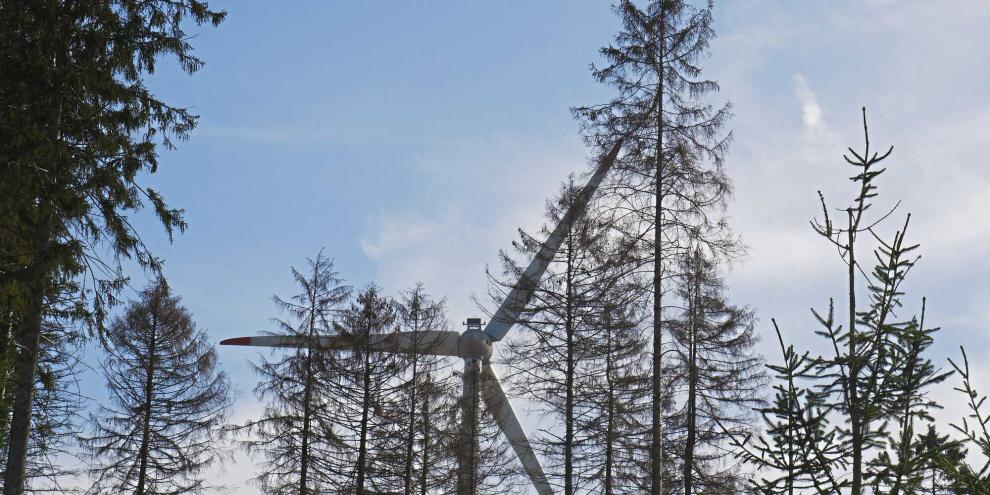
column 811, row 110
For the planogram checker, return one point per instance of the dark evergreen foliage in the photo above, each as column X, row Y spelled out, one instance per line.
column 79, row 129
column 941, row 456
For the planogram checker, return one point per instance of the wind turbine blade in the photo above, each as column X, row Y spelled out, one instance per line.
column 522, row 292
column 498, row 404
column 428, row 343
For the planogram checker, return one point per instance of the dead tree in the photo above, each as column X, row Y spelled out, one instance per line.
column 163, row 425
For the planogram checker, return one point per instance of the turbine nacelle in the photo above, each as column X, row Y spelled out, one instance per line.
column 474, row 343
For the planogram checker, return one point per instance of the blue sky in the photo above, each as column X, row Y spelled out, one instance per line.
column 411, row 139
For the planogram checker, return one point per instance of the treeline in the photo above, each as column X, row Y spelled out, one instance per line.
column 643, row 373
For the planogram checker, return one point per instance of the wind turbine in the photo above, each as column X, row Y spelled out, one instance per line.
column 475, row 346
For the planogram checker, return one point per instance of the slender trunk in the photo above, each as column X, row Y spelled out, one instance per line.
column 656, row 444
column 907, row 421
column 569, row 374
column 307, row 413
column 610, row 406
column 425, row 467
column 790, row 441
column 363, row 444
column 149, row 382
column 692, row 399
column 854, row 409
column 411, row 432
column 308, row 398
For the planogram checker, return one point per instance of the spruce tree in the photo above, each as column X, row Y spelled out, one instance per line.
column 968, row 474
column 164, row 422
column 939, row 454
column 671, row 176
column 861, row 402
column 294, row 434
column 81, row 128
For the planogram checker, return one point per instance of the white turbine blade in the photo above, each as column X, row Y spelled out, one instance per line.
column 498, row 404
column 431, row 343
column 522, row 292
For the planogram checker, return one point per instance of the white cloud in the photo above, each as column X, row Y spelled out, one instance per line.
column 480, row 193
column 811, row 111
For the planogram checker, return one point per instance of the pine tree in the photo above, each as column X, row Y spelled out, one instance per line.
column 164, row 423
column 294, row 434
column 80, row 130
column 718, row 373
column 672, row 175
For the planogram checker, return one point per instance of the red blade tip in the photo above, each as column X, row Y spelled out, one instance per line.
column 237, row 341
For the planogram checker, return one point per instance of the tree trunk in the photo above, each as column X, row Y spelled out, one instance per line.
column 39, row 282
column 304, row 449
column 307, row 399
column 692, row 399
column 363, row 443
column 854, row 417
column 425, row 467
column 656, row 431
column 569, row 376
column 149, row 389
column 411, row 432
column 610, row 406
column 25, row 368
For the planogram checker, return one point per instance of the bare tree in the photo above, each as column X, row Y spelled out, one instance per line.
column 719, row 374
column 294, row 434
column 548, row 362
column 168, row 402
column 616, row 396
column 672, row 186
column 418, row 451
column 362, row 382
